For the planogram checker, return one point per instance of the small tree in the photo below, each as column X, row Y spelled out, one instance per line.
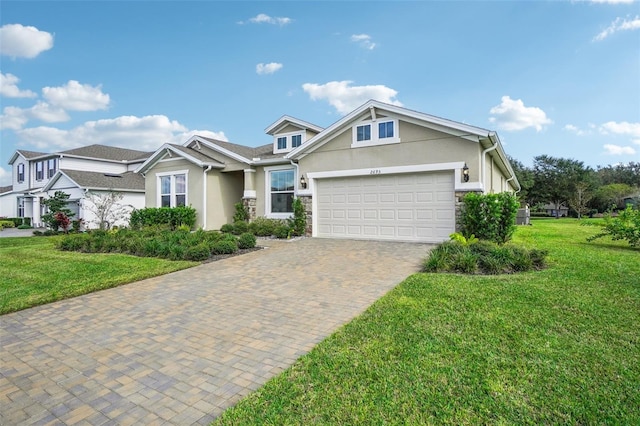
column 624, row 227
column 107, row 208
column 57, row 204
column 298, row 223
column 579, row 199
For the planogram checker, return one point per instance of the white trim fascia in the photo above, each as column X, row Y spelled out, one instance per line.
column 249, row 193
column 304, row 125
column 281, row 160
column 223, row 151
column 399, row 111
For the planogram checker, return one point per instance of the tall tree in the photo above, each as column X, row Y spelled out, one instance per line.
column 525, row 176
column 628, row 174
column 555, row 179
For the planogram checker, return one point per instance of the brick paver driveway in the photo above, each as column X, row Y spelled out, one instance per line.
column 181, row 348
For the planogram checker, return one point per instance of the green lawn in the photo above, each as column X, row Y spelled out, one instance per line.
column 33, row 272
column 555, row 346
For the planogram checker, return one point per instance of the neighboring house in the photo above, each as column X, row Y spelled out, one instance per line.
column 96, row 168
column 556, row 211
column 381, row 172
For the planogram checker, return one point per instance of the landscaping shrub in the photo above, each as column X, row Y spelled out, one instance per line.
column 227, row 228
column 7, row 224
column 172, row 217
column 241, row 214
column 483, row 257
column 489, row 216
column 17, row 221
column 74, row 242
column 626, row 226
column 224, row 247
column 198, row 252
column 246, row 241
column 263, row 227
column 25, row 227
column 59, row 215
column 282, row 232
column 298, row 223
column 240, row 228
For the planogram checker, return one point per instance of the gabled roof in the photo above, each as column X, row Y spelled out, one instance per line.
column 128, row 181
column 245, row 154
column 285, row 120
column 27, row 155
column 104, row 152
column 189, row 154
column 441, row 124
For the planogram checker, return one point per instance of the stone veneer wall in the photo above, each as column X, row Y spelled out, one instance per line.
column 250, row 205
column 307, row 202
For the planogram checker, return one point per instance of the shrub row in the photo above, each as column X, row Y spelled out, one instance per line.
column 261, row 227
column 17, row 221
column 154, row 242
column 483, row 257
column 6, row 224
column 173, row 217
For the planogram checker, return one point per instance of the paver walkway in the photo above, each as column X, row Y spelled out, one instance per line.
column 181, row 348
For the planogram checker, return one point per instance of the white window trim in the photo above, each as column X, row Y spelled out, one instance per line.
column 18, row 180
column 289, row 145
column 173, row 187
column 375, row 137
column 267, row 191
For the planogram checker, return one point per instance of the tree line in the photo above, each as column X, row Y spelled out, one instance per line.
column 583, row 189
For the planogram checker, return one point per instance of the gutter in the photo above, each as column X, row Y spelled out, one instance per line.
column 204, row 196
column 297, row 175
column 483, row 159
column 493, row 137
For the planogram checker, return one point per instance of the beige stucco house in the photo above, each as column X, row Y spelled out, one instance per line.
column 381, row 172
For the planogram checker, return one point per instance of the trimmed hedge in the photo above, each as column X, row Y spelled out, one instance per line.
column 170, row 216
column 489, row 217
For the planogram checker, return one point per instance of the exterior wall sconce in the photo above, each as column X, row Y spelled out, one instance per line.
column 465, row 173
column 303, row 182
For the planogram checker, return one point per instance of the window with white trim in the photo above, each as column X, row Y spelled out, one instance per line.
column 280, row 192
column 380, row 132
column 40, row 170
column 20, row 173
column 172, row 189
column 20, row 206
column 51, row 167
column 286, row 142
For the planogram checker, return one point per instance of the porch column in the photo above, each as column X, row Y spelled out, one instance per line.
column 249, row 196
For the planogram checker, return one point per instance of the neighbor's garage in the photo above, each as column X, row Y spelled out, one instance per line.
column 402, row 207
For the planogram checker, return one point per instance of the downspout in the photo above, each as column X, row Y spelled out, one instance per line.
column 519, row 187
column 297, row 175
column 483, row 159
column 204, row 196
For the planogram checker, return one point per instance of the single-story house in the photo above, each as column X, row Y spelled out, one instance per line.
column 381, row 172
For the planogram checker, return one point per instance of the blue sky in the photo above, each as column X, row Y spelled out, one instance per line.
column 556, row 78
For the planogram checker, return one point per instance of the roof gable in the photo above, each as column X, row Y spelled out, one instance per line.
column 188, row 153
column 27, row 155
column 286, row 120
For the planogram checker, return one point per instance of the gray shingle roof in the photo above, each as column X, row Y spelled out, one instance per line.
column 31, row 154
column 4, row 189
column 97, row 180
column 264, row 151
column 108, row 153
column 195, row 154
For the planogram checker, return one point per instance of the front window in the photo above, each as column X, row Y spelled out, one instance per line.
column 39, row 170
column 385, row 130
column 20, row 173
column 364, row 133
column 21, row 207
column 296, row 141
column 173, row 190
column 51, row 167
column 282, row 183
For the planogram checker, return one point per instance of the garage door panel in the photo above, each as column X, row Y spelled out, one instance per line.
column 408, row 207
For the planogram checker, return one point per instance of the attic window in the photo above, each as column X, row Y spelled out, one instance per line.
column 285, row 142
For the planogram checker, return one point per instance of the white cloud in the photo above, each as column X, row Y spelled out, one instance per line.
column 576, row 130
column 345, row 98
column 266, row 19
column 5, row 176
column 363, row 40
column 77, row 97
column 618, row 150
column 269, row 68
column 9, row 87
column 25, row 42
column 13, row 118
column 619, row 25
column 144, row 133
column 621, row 128
column 512, row 115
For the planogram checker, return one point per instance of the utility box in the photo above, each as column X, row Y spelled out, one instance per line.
column 523, row 216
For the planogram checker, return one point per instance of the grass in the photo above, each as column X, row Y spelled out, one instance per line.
column 33, row 272
column 555, row 346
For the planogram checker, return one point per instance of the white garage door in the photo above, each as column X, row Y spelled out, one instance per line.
column 402, row 207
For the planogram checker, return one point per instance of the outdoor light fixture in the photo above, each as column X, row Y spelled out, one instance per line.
column 303, row 182
column 465, row 173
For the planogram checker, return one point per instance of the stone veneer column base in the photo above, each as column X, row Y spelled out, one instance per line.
column 307, row 201
column 250, row 205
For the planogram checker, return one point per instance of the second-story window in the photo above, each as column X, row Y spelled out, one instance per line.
column 51, row 167
column 20, row 173
column 40, row 170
